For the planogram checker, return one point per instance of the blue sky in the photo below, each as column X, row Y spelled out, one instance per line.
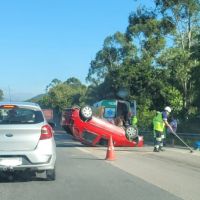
column 45, row 39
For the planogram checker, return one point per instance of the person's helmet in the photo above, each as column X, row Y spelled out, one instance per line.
column 168, row 109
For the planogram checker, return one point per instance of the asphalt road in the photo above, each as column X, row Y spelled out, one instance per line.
column 83, row 173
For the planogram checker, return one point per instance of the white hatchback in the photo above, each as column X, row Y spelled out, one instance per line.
column 26, row 139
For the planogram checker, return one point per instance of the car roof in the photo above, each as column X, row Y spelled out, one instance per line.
column 23, row 104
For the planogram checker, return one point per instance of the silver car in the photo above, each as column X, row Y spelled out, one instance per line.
column 26, row 139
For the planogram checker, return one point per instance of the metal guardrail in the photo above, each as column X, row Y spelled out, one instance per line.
column 189, row 138
column 189, row 135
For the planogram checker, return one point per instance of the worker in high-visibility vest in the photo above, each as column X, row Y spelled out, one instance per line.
column 159, row 124
column 134, row 120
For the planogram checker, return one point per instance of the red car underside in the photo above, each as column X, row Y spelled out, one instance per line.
column 97, row 131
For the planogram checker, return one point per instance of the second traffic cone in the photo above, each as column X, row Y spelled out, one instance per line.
column 110, row 155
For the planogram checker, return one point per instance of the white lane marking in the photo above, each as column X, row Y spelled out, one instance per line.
column 83, row 150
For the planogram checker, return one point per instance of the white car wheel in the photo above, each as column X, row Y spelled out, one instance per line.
column 131, row 133
column 86, row 112
column 51, row 174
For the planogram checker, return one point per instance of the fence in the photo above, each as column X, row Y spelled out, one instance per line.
column 189, row 138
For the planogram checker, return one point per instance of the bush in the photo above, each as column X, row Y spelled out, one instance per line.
column 145, row 117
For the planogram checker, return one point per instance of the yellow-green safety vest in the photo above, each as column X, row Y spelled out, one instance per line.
column 134, row 120
column 158, row 123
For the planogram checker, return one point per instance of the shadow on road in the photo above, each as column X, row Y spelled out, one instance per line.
column 19, row 176
column 87, row 158
column 63, row 139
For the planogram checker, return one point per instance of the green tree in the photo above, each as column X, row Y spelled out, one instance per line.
column 156, row 59
column 53, row 83
column 180, row 59
column 184, row 14
column 115, row 52
column 173, row 98
column 73, row 82
column 64, row 94
column 196, row 70
column 128, row 60
column 146, row 80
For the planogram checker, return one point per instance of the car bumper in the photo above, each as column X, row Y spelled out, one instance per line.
column 42, row 158
column 36, row 167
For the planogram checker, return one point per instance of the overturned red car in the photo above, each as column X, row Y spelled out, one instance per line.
column 92, row 130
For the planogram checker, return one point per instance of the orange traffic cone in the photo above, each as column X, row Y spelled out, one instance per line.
column 110, row 155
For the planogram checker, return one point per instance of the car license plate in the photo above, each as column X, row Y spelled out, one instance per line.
column 10, row 161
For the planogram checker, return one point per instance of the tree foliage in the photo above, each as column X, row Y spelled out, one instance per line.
column 157, row 60
column 61, row 95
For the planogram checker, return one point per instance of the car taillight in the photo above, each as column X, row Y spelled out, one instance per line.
column 46, row 132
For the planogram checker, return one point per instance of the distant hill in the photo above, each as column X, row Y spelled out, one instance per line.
column 36, row 98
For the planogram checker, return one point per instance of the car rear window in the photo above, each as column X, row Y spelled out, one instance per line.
column 20, row 116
